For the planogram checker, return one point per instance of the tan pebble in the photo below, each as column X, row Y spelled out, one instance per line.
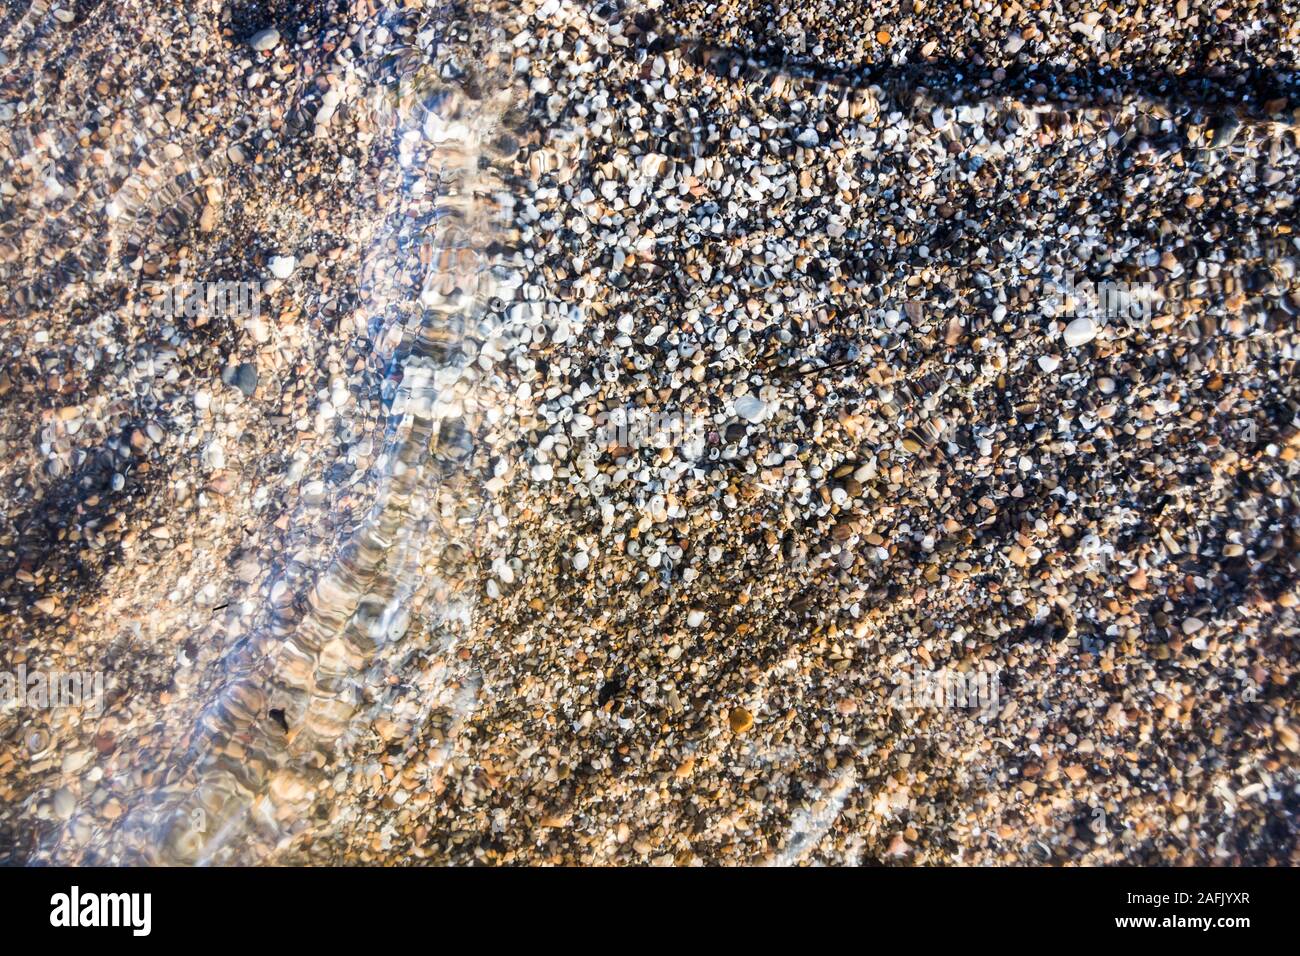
column 1290, row 740
column 741, row 720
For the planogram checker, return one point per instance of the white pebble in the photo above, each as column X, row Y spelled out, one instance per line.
column 282, row 266
column 1080, row 332
column 751, row 408
column 264, row 40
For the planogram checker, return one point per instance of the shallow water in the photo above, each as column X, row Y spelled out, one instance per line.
column 290, row 691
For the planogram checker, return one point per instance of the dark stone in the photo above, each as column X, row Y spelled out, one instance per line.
column 242, row 376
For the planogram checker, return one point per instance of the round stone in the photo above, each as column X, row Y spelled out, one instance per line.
column 1080, row 332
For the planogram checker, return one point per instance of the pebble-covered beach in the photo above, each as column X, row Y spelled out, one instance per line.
column 635, row 433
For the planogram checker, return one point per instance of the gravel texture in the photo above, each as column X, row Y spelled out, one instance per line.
column 658, row 433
